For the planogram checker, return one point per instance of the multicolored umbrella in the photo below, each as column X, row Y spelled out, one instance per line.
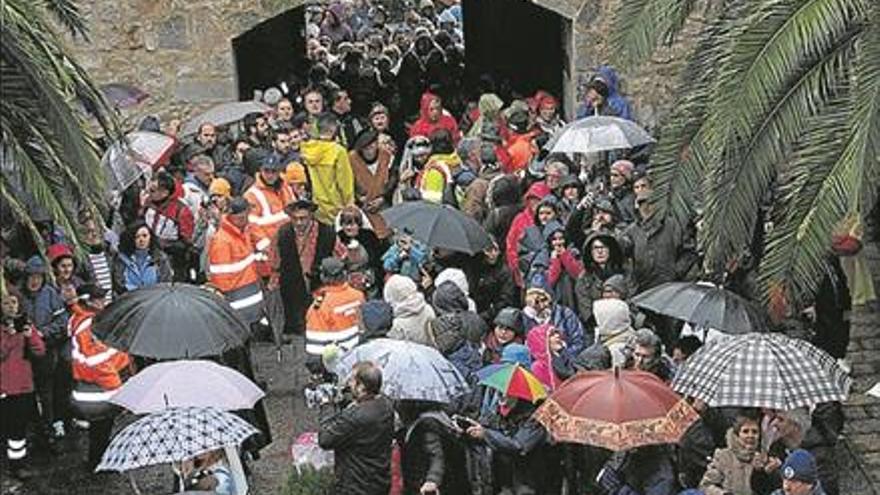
column 616, row 410
column 768, row 370
column 512, row 380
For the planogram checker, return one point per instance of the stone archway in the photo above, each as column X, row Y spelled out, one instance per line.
column 270, row 52
column 523, row 45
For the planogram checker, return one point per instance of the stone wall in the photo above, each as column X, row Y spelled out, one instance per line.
column 180, row 51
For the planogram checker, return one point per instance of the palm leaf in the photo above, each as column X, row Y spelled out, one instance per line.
column 640, row 24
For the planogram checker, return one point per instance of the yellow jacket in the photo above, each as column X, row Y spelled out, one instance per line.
column 331, row 176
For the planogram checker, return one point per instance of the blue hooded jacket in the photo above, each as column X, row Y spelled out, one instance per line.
column 617, row 104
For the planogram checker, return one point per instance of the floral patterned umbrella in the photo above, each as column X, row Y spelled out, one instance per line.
column 616, row 410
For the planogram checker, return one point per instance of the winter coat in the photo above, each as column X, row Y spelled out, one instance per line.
column 424, row 126
column 567, row 322
column 296, row 281
column 647, row 471
column 412, row 314
column 331, row 177
column 360, row 437
column 494, row 290
column 522, row 221
column 140, row 269
column 660, row 252
column 431, row 452
column 615, row 105
column 46, row 309
column 16, row 350
column 538, row 342
column 588, row 286
column 613, row 327
column 372, row 186
column 504, row 206
column 817, row 490
column 730, row 470
column 173, row 224
column 625, row 202
column 410, row 267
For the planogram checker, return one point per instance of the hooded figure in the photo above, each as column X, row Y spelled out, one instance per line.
column 449, row 335
column 412, row 314
column 449, row 299
column 603, row 259
column 522, row 221
column 335, row 25
column 458, row 278
column 538, row 342
column 432, row 118
column 377, row 317
column 489, row 106
column 615, row 104
column 613, row 327
column 503, row 203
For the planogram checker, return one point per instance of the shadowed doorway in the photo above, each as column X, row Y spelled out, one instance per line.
column 271, row 52
column 522, row 46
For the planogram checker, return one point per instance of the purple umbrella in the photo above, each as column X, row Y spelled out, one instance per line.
column 123, row 95
column 185, row 383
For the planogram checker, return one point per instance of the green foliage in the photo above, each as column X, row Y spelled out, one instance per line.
column 779, row 106
column 48, row 159
column 309, row 482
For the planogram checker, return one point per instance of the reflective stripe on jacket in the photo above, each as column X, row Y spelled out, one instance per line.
column 93, row 361
column 232, row 269
column 333, row 318
column 266, row 217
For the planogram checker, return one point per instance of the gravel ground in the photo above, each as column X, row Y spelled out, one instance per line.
column 64, row 474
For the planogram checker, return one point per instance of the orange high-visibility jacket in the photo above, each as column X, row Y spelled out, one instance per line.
column 333, row 318
column 232, row 269
column 93, row 361
column 266, row 217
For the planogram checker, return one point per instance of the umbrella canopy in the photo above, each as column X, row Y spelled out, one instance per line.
column 139, row 154
column 766, row 370
column 616, row 410
column 187, row 384
column 705, row 305
column 410, row 371
column 600, row 133
column 174, row 435
column 223, row 114
column 439, row 226
column 123, row 95
column 512, row 380
column 171, row 321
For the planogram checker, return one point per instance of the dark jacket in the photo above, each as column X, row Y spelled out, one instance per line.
column 661, row 252
column 588, row 286
column 570, row 325
column 46, row 309
column 494, row 289
column 431, row 452
column 360, row 437
column 295, row 289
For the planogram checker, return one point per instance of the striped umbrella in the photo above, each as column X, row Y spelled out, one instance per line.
column 768, row 370
column 512, row 380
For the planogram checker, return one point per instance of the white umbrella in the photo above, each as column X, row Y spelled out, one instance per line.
column 595, row 134
column 141, row 151
column 223, row 114
column 185, row 383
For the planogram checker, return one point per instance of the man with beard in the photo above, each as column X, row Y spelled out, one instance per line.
column 301, row 244
column 257, row 127
column 370, row 164
column 205, row 143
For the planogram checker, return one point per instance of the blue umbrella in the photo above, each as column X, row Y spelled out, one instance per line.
column 410, row 371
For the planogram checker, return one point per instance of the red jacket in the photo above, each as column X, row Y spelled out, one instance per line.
column 424, row 126
column 170, row 221
column 16, row 376
column 523, row 220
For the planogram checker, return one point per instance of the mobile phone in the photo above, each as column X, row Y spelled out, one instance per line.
column 462, row 421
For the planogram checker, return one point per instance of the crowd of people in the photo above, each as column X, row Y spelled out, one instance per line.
column 282, row 215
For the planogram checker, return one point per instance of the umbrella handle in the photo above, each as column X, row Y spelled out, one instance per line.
column 133, row 483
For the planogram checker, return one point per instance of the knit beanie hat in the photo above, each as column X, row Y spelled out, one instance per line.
column 800, row 465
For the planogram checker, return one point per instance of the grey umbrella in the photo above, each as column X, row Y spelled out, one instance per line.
column 595, row 134
column 223, row 114
column 439, row 226
column 704, row 305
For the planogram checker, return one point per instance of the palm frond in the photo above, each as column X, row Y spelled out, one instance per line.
column 639, row 25
column 67, row 13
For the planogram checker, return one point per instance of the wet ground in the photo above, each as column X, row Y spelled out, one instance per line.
column 65, row 475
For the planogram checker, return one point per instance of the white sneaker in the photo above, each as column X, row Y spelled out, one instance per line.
column 58, row 429
column 81, row 424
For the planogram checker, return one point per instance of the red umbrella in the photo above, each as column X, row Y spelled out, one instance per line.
column 617, row 410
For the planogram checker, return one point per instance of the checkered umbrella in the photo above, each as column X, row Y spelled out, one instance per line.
column 762, row 370
column 174, row 435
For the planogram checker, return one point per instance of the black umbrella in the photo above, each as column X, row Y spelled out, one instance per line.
column 704, row 305
column 439, row 226
column 171, row 321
